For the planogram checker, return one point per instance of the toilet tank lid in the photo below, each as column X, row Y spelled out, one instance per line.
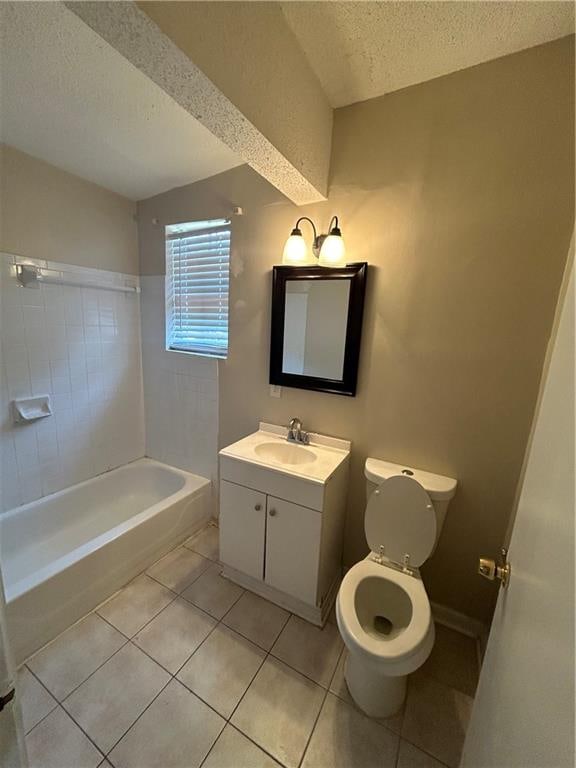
column 438, row 487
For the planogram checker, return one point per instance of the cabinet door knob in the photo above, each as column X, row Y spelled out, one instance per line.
column 258, row 507
column 272, row 512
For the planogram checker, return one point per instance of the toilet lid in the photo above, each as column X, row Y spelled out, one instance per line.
column 400, row 517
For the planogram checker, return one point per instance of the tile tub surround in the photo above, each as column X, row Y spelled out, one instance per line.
column 82, row 347
column 177, row 687
column 180, row 393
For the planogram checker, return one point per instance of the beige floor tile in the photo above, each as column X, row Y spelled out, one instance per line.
column 412, row 757
column 338, row 684
column 173, row 636
column 205, row 542
column 35, row 700
column 257, row 619
column 234, row 750
column 310, row 650
column 75, row 654
column 178, row 569
column 109, row 702
column 454, row 660
column 344, row 738
column 176, row 731
column 279, row 711
column 339, row 688
column 57, row 742
column 436, row 718
column 136, row 604
column 222, row 669
column 213, row 593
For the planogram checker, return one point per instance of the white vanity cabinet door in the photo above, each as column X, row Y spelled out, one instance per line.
column 292, row 549
column 242, row 528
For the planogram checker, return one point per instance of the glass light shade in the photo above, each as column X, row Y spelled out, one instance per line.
column 296, row 252
column 333, row 252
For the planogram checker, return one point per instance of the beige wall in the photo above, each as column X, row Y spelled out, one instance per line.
column 47, row 213
column 264, row 73
column 459, row 193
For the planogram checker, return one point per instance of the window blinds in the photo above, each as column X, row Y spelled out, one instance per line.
column 197, row 281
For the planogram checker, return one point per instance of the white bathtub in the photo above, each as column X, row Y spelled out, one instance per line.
column 64, row 554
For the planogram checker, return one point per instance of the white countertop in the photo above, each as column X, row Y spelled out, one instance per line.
column 329, row 453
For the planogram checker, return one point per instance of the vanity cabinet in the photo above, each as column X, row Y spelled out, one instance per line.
column 270, row 539
column 281, row 531
column 242, row 528
column 292, row 548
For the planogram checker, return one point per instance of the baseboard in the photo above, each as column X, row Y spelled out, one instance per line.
column 456, row 620
column 464, row 624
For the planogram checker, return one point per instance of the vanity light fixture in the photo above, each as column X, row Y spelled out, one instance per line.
column 327, row 250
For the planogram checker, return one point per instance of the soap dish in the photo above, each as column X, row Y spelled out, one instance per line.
column 28, row 409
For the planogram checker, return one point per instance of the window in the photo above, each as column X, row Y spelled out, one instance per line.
column 197, row 279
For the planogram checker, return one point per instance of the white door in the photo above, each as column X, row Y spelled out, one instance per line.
column 293, row 549
column 523, row 716
column 242, row 528
column 12, row 749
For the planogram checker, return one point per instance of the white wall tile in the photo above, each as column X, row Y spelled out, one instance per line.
column 82, row 347
column 180, row 394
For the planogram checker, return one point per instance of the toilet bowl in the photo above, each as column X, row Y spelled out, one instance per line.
column 385, row 621
column 382, row 608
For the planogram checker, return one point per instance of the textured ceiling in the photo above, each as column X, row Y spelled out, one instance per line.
column 360, row 50
column 70, row 99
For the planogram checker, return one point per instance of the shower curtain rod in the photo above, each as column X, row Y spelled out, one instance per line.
column 30, row 276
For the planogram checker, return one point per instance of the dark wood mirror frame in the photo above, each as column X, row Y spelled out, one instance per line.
column 356, row 274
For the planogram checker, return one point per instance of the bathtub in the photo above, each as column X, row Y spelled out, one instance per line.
column 64, row 554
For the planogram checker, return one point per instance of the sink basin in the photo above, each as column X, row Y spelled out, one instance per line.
column 285, row 453
column 270, row 450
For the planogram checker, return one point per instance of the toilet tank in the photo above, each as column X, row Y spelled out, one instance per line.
column 440, row 489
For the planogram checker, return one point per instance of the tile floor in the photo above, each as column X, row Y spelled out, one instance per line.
column 183, row 669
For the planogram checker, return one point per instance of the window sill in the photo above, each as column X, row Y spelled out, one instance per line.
column 197, row 354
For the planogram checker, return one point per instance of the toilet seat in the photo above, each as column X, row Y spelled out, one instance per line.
column 404, row 651
column 400, row 521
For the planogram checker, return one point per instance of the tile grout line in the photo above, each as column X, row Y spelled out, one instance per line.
column 263, row 661
column 51, row 695
column 251, row 740
column 59, row 705
column 146, row 708
column 425, row 751
column 128, row 640
column 317, row 718
column 61, row 701
column 173, row 676
column 268, row 653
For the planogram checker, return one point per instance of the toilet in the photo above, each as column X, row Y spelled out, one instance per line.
column 382, row 608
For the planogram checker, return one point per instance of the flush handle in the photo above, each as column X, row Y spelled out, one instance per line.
column 491, row 570
column 272, row 512
column 258, row 507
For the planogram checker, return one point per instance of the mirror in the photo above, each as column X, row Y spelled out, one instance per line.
column 315, row 319
column 316, row 327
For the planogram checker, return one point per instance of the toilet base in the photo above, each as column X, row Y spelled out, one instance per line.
column 376, row 694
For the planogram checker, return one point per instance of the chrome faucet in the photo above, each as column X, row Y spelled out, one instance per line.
column 295, row 433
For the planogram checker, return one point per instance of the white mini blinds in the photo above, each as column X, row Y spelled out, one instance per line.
column 197, row 280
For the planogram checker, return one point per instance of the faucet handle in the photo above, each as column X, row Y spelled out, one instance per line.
column 294, row 429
